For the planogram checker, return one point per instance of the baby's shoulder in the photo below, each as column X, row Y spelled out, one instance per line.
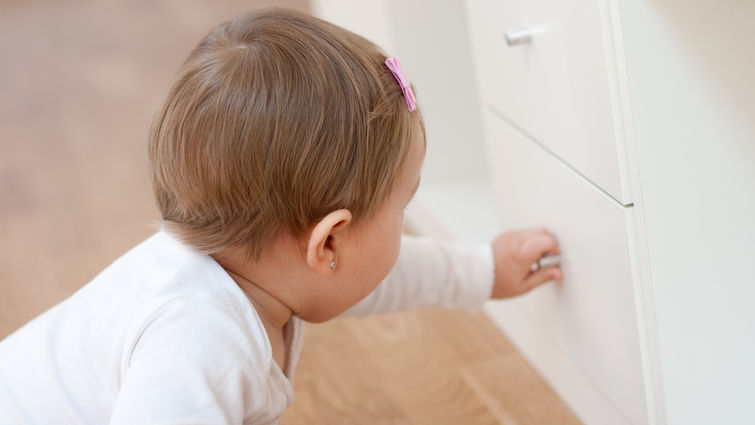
column 193, row 348
column 189, row 301
column 201, row 332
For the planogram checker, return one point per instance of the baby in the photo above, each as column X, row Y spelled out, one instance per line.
column 282, row 162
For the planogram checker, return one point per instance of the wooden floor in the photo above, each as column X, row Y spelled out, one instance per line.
column 79, row 83
column 423, row 367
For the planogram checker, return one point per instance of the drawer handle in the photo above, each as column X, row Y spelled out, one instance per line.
column 517, row 36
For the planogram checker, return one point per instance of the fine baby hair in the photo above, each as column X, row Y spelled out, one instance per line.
column 274, row 120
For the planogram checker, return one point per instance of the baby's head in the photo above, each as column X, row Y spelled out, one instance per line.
column 282, row 127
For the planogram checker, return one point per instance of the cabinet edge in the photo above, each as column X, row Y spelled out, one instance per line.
column 631, row 185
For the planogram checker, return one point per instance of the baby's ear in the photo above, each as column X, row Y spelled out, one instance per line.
column 323, row 246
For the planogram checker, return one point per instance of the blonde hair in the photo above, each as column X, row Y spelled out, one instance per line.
column 275, row 120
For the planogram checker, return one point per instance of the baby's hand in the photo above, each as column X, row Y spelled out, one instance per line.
column 514, row 253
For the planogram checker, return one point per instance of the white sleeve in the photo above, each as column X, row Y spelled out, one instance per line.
column 431, row 273
column 194, row 364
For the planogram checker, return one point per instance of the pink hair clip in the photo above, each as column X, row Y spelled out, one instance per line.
column 395, row 66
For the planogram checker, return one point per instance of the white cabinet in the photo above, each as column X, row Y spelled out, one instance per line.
column 626, row 128
column 587, row 326
column 553, row 83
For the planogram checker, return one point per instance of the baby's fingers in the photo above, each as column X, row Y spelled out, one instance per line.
column 536, row 246
column 539, row 277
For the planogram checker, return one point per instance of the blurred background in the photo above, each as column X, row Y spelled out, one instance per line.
column 79, row 84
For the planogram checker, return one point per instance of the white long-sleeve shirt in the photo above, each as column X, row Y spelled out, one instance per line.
column 165, row 336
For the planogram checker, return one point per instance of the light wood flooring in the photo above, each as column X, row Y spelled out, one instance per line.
column 79, row 83
column 420, row 367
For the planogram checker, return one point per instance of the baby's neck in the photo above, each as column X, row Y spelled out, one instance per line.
column 276, row 284
column 274, row 315
column 271, row 310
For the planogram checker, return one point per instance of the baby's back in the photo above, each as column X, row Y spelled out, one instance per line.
column 66, row 365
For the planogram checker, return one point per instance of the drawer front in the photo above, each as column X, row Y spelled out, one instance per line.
column 586, row 326
column 556, row 87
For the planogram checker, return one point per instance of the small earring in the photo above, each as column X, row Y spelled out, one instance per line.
column 333, row 265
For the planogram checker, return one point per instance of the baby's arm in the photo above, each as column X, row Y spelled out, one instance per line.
column 430, row 273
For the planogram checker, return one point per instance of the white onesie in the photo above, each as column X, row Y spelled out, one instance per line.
column 165, row 336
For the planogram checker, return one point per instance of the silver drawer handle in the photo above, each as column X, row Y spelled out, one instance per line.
column 517, row 36
column 546, row 261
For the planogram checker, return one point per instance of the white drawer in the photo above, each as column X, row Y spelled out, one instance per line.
column 582, row 334
column 555, row 88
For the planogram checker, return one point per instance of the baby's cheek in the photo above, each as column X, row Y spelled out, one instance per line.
column 390, row 246
column 395, row 246
column 389, row 256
